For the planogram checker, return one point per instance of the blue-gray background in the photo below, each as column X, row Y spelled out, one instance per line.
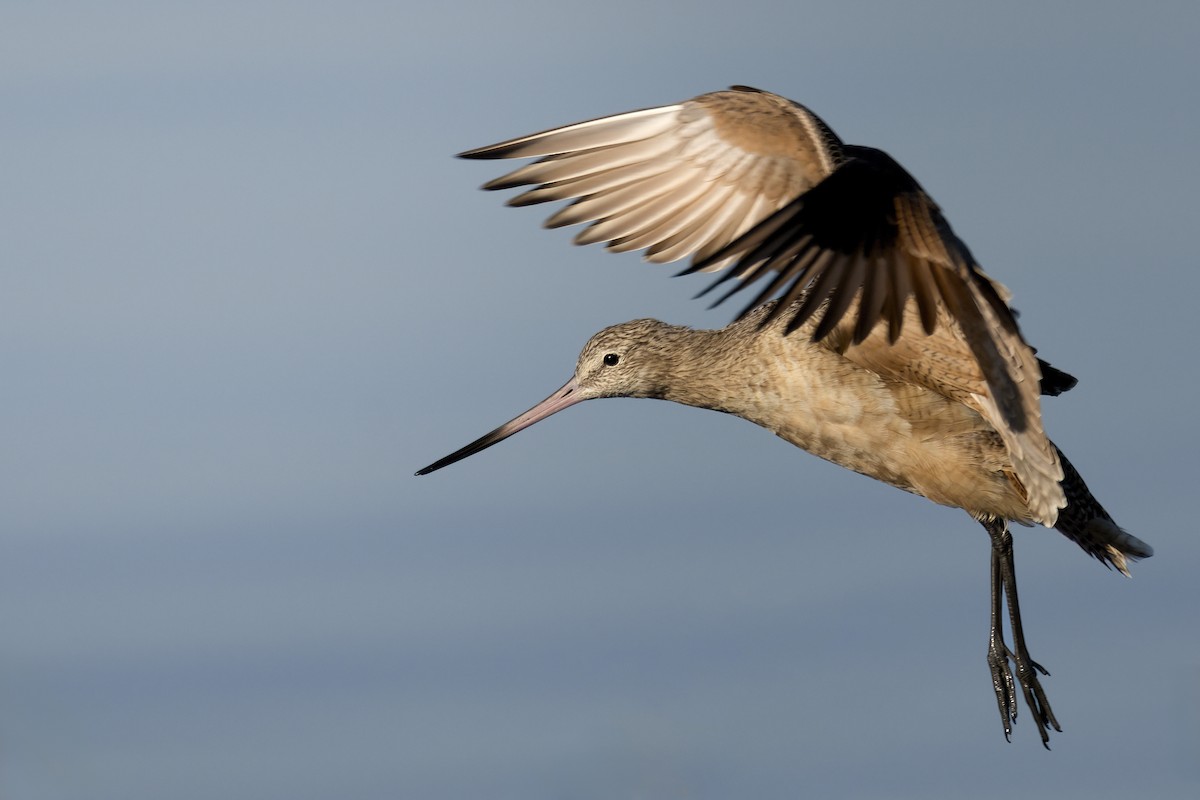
column 245, row 291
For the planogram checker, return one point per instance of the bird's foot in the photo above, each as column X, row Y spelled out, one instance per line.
column 1004, row 684
column 1035, row 695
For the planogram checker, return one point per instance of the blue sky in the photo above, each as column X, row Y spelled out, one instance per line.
column 247, row 291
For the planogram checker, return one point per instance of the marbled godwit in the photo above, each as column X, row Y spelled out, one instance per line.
column 879, row 344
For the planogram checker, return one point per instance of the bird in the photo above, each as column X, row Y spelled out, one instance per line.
column 877, row 341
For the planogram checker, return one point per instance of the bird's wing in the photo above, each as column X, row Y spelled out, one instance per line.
column 948, row 362
column 679, row 180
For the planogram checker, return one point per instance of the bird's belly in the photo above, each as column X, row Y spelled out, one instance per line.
column 935, row 448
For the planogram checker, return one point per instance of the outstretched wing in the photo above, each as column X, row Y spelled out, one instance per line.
column 679, row 180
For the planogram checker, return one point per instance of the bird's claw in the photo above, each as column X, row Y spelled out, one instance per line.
column 1004, row 683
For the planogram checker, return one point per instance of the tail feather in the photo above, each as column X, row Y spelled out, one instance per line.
column 1085, row 522
column 1054, row 380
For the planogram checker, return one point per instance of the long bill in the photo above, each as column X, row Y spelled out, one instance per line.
column 567, row 396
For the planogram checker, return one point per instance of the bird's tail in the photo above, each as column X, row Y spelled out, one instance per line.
column 1085, row 522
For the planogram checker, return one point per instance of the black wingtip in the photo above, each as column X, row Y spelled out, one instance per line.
column 477, row 153
column 489, row 152
column 697, row 265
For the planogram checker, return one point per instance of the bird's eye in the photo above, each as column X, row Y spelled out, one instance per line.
column 611, row 359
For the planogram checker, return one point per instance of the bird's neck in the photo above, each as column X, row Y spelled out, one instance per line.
column 710, row 369
column 786, row 384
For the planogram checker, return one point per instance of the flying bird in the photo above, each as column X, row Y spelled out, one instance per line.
column 874, row 341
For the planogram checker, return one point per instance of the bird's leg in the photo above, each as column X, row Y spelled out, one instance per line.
column 997, row 657
column 1004, row 581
